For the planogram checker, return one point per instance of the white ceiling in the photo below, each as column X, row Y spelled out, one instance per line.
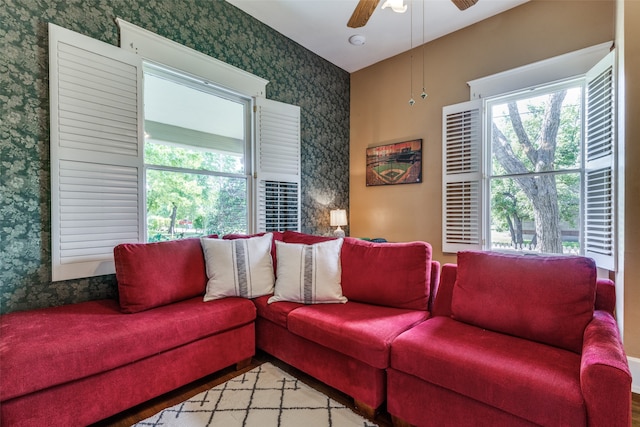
column 321, row 25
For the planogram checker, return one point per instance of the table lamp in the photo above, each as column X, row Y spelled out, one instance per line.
column 338, row 219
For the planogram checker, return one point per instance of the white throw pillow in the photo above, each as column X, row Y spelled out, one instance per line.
column 238, row 268
column 309, row 274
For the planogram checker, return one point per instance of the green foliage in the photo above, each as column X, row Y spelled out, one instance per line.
column 207, row 203
column 229, row 214
column 191, row 158
column 508, row 201
column 568, row 186
column 157, row 237
column 198, row 222
column 568, row 141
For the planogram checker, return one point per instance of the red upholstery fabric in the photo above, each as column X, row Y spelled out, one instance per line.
column 362, row 331
column 442, row 300
column 390, row 274
column 276, row 312
column 530, row 380
column 90, row 399
column 154, row 274
column 545, row 299
column 606, row 295
column 277, row 235
column 427, row 405
column 604, row 371
column 434, row 281
column 359, row 380
column 304, row 238
column 43, row 348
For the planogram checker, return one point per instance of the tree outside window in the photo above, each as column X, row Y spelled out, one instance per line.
column 535, row 172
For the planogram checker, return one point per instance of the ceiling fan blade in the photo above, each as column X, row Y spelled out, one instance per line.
column 464, row 4
column 362, row 13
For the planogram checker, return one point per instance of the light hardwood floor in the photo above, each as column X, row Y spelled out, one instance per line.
column 147, row 409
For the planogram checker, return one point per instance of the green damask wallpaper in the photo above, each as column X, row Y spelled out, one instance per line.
column 214, row 27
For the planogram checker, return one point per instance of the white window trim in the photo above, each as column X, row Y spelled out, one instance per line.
column 562, row 67
column 572, row 65
column 284, row 132
column 78, row 264
column 167, row 52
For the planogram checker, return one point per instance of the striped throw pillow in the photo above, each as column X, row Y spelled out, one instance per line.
column 309, row 274
column 238, row 268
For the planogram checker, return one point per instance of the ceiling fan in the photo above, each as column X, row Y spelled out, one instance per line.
column 365, row 9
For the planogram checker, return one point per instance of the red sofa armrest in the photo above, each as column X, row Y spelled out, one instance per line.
column 604, row 373
column 605, row 295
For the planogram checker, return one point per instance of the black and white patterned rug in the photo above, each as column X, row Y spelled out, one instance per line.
column 263, row 397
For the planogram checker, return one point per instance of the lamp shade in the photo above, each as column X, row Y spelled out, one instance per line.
column 338, row 217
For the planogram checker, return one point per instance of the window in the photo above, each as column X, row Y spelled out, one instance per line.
column 199, row 155
column 534, row 175
column 197, row 140
column 533, row 169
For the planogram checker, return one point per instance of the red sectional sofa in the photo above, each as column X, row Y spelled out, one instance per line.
column 436, row 358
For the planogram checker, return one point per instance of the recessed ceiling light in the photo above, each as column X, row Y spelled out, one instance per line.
column 357, row 39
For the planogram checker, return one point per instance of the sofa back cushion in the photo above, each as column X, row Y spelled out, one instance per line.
column 544, row 299
column 388, row 274
column 154, row 274
column 304, row 238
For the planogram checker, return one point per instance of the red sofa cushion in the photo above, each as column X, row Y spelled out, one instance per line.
column 47, row 347
column 153, row 274
column 304, row 238
column 545, row 299
column 534, row 381
column 362, row 331
column 390, row 274
column 277, row 312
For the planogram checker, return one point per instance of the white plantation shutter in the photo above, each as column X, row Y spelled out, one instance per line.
column 600, row 140
column 96, row 159
column 462, row 177
column 277, row 166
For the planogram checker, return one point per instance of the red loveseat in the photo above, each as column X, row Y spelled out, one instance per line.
column 514, row 341
column 347, row 346
column 80, row 363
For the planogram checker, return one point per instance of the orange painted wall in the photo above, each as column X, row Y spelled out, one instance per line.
column 380, row 113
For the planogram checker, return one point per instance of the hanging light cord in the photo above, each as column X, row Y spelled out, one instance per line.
column 411, row 100
column 423, row 95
